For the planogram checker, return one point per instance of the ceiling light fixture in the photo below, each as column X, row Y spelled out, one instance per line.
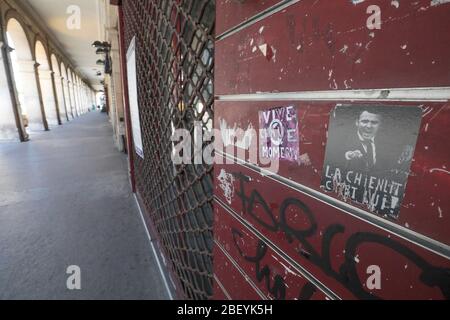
column 97, row 44
column 104, row 48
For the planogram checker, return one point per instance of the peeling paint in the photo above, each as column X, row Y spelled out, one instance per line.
column 263, row 49
column 344, row 49
column 439, row 169
column 440, row 212
column 435, row 3
column 236, row 136
column 395, row 4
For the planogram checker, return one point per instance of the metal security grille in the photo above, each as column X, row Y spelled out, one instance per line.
column 175, row 61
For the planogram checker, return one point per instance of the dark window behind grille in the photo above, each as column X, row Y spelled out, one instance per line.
column 175, row 61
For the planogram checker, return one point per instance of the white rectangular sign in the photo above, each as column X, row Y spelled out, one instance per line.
column 133, row 98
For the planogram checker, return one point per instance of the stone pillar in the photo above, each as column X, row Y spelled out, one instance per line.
column 80, row 90
column 117, row 96
column 77, row 98
column 57, row 96
column 74, row 101
column 83, row 98
column 41, row 99
column 11, row 122
column 65, row 113
column 29, row 94
column 48, row 98
column 69, row 98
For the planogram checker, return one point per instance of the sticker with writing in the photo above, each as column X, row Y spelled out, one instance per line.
column 369, row 153
column 279, row 134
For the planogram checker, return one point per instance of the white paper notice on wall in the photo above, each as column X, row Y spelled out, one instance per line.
column 133, row 98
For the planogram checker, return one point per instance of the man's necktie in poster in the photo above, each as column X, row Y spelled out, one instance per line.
column 369, row 153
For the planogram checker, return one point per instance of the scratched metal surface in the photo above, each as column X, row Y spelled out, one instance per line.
column 332, row 245
column 323, row 45
column 232, row 13
column 233, row 281
column 267, row 270
column 425, row 206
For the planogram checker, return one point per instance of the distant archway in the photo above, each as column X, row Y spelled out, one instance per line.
column 8, row 124
column 80, row 98
column 73, row 93
column 84, row 96
column 59, row 89
column 67, row 93
column 25, row 76
column 46, row 84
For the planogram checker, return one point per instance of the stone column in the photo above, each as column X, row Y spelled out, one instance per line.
column 40, row 97
column 48, row 98
column 11, row 122
column 29, row 94
column 65, row 114
column 69, row 98
column 74, row 101
column 77, row 98
column 57, row 98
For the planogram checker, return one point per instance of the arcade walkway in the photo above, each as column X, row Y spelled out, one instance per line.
column 65, row 200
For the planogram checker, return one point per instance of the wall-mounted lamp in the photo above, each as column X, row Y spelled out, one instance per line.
column 99, row 44
column 96, row 44
column 104, row 48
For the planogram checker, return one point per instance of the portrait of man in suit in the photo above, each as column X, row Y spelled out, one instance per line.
column 369, row 153
column 360, row 152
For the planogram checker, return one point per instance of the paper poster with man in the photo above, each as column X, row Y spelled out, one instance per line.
column 369, row 153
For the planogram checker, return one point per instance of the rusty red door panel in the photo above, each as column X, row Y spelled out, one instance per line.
column 232, row 13
column 229, row 282
column 284, row 232
column 326, row 45
column 424, row 204
column 270, row 274
column 335, row 247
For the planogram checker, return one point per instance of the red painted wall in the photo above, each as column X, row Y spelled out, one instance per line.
column 283, row 236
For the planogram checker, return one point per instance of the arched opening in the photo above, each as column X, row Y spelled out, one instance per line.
column 77, row 88
column 67, row 94
column 46, row 84
column 100, row 100
column 25, row 77
column 80, row 97
column 94, row 99
column 85, row 98
column 59, row 88
column 8, row 124
column 77, row 92
column 72, row 93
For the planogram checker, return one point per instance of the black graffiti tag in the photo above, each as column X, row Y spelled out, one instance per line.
column 278, row 288
column 347, row 274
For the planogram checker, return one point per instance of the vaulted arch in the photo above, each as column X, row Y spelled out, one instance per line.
column 59, row 88
column 8, row 112
column 46, row 84
column 24, row 74
column 67, row 93
column 72, row 92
